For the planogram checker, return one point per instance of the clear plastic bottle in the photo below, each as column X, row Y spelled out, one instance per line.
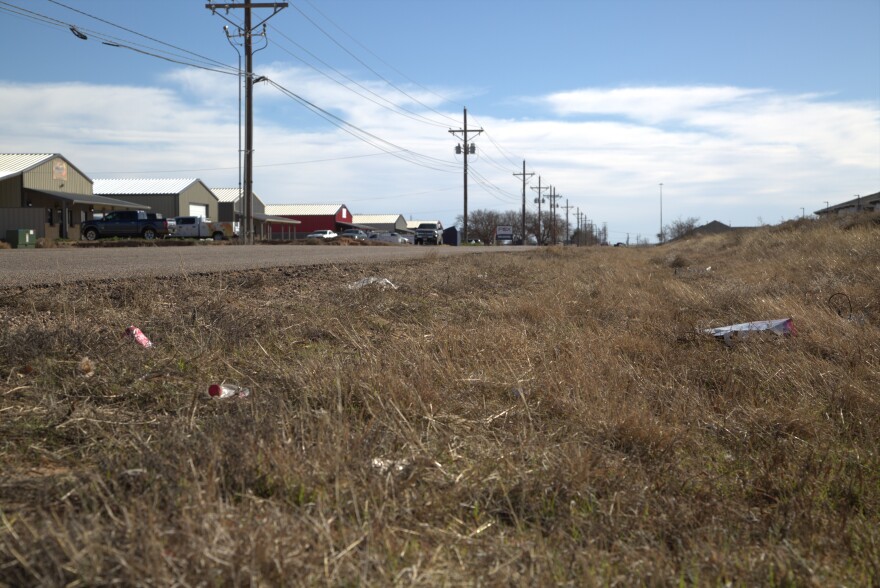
column 227, row 391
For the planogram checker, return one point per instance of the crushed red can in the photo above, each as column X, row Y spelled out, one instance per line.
column 138, row 335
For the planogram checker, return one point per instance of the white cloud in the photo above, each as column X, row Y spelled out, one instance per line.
column 647, row 104
column 729, row 153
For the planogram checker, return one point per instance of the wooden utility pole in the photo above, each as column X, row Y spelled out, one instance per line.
column 539, row 200
column 467, row 149
column 554, row 206
column 247, row 32
column 567, row 208
column 524, row 176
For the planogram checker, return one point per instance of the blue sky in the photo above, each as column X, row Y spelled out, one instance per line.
column 747, row 111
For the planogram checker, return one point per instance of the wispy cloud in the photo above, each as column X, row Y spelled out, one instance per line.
column 647, row 104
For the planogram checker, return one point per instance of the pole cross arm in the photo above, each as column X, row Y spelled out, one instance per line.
column 230, row 5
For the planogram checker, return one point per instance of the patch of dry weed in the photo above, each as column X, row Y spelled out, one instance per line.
column 548, row 417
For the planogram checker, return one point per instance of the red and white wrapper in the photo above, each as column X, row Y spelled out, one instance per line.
column 139, row 337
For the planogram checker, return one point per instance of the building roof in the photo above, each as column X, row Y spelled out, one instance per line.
column 869, row 200
column 281, row 220
column 138, row 186
column 12, row 164
column 376, row 219
column 92, row 199
column 15, row 163
column 712, row 228
column 227, row 194
column 304, row 209
column 231, row 195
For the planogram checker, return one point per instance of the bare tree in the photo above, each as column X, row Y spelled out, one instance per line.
column 679, row 228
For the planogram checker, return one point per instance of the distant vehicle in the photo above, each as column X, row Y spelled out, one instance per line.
column 127, row 223
column 395, row 238
column 429, row 233
column 475, row 242
column 322, row 234
column 199, row 227
column 355, row 234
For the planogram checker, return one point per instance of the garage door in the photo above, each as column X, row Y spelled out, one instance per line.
column 198, row 210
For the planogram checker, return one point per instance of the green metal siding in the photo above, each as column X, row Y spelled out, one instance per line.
column 164, row 204
column 197, row 193
column 10, row 192
column 43, row 178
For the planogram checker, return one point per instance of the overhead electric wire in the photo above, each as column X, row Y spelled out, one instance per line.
column 366, row 136
column 397, row 108
column 113, row 41
column 357, row 132
column 498, row 147
column 203, row 57
column 490, row 187
column 34, row 15
column 174, row 171
column 359, row 60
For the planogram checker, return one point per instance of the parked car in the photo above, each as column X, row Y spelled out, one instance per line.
column 322, row 234
column 395, row 238
column 127, row 223
column 356, row 234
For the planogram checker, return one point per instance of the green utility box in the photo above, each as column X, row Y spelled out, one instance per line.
column 21, row 238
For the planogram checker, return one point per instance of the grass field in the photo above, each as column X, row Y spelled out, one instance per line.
column 536, row 418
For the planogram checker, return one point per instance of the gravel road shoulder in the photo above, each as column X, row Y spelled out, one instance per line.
column 41, row 267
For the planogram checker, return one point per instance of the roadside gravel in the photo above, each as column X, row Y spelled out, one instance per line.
column 40, row 267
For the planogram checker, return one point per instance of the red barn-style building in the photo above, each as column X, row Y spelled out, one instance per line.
column 312, row 217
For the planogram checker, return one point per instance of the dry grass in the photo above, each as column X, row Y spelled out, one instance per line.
column 511, row 419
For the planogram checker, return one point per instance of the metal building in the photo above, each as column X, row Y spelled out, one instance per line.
column 312, row 217
column 45, row 192
column 170, row 196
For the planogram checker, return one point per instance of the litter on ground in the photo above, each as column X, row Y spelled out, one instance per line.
column 379, row 282
column 783, row 326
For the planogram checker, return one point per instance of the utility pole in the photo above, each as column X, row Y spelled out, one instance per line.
column 467, row 149
column 524, row 176
column 539, row 200
column 567, row 208
column 554, row 204
column 247, row 32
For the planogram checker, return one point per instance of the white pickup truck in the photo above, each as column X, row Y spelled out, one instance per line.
column 198, row 227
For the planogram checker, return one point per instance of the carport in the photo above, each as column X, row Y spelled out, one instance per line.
column 64, row 206
column 288, row 225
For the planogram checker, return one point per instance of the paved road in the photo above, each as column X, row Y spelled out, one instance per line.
column 33, row 267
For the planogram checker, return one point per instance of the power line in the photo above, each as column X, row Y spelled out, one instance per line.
column 113, row 41
column 397, row 108
column 202, row 169
column 414, row 99
column 203, row 57
column 365, row 136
